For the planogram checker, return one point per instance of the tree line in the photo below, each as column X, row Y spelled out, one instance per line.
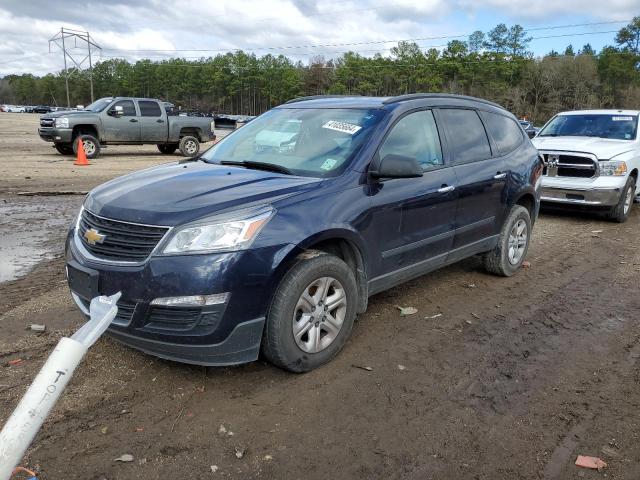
column 496, row 65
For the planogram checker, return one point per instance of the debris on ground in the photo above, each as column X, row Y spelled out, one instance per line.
column 594, row 463
column 222, row 430
column 17, row 361
column 475, row 315
column 434, row 316
column 124, row 458
column 214, row 468
column 526, row 264
column 268, row 458
column 35, row 327
column 363, row 367
column 406, row 310
column 104, row 430
column 401, row 367
column 609, row 451
column 240, row 451
column 471, row 285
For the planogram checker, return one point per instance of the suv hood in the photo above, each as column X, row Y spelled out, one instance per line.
column 174, row 194
column 66, row 113
column 602, row 148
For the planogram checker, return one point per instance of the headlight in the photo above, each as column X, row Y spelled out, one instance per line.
column 216, row 236
column 62, row 122
column 612, row 168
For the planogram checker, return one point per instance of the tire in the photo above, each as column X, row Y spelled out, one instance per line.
column 91, row 145
column 621, row 211
column 189, row 146
column 167, row 148
column 502, row 260
column 64, row 148
column 287, row 313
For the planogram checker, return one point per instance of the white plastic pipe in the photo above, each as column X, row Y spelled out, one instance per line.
column 42, row 395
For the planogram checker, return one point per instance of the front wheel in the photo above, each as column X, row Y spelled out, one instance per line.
column 91, row 146
column 620, row 212
column 513, row 243
column 311, row 314
column 64, row 148
column 189, row 146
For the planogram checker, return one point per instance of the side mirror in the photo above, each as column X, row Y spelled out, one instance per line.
column 397, row 166
column 116, row 111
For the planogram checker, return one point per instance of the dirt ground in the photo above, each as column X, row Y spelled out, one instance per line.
column 493, row 378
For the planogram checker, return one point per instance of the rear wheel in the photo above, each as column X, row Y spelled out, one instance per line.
column 620, row 212
column 90, row 143
column 513, row 243
column 168, row 148
column 189, row 146
column 311, row 314
column 64, row 148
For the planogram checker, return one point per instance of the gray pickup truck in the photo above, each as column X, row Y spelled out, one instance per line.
column 125, row 121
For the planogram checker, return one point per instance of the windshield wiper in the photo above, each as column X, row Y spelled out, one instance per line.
column 272, row 167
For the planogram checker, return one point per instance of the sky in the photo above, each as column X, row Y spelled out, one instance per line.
column 300, row 29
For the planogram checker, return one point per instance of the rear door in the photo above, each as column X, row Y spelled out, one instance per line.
column 415, row 216
column 153, row 122
column 481, row 177
column 125, row 128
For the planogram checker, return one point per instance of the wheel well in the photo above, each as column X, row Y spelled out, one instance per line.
column 634, row 174
column 84, row 130
column 190, row 131
column 351, row 255
column 527, row 201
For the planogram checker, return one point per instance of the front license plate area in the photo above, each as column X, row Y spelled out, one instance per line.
column 82, row 281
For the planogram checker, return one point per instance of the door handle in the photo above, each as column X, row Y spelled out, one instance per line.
column 446, row 189
column 159, row 121
column 133, row 120
column 500, row 176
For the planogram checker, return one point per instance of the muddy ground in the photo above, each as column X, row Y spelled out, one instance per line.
column 493, row 378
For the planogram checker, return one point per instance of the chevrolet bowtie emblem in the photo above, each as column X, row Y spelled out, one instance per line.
column 93, row 236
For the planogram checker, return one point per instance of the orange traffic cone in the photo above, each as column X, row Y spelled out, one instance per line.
column 81, row 158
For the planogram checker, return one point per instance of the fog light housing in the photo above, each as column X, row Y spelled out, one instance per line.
column 192, row 300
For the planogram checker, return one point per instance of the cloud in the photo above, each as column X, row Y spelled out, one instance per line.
column 123, row 26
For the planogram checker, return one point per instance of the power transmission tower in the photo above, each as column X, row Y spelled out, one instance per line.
column 67, row 40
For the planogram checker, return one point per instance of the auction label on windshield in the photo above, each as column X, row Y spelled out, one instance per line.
column 343, row 127
column 622, row 119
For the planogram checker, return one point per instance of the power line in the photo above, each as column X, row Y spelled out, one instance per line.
column 349, row 44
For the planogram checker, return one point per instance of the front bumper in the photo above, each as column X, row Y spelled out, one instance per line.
column 223, row 334
column 600, row 191
column 57, row 135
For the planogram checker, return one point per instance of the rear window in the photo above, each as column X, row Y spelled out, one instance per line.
column 468, row 138
column 149, row 109
column 505, row 132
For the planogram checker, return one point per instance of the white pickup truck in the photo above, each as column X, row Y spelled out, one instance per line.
column 592, row 158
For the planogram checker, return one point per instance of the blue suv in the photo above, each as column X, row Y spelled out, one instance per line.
column 274, row 238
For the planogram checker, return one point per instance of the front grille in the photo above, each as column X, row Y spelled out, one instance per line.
column 569, row 165
column 46, row 122
column 122, row 241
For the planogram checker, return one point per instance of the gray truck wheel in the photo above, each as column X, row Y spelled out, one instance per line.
column 64, row 148
column 189, row 146
column 513, row 243
column 91, row 145
column 311, row 314
column 620, row 212
column 167, row 148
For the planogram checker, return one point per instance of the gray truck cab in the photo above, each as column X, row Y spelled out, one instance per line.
column 124, row 121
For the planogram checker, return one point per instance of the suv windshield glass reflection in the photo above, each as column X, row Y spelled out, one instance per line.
column 619, row 126
column 305, row 141
column 99, row 105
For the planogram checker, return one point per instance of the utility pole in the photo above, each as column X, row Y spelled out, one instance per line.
column 78, row 55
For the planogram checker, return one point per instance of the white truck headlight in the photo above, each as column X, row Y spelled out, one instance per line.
column 612, row 168
column 62, row 122
column 216, row 236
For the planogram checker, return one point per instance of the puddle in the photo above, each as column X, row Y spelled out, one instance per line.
column 33, row 229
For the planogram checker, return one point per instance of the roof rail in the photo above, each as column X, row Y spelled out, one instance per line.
column 416, row 96
column 316, row 97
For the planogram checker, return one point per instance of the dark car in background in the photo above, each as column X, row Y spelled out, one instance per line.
column 41, row 109
column 528, row 127
column 274, row 239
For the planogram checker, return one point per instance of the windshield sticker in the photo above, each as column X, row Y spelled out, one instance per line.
column 622, row 119
column 342, row 127
column 328, row 164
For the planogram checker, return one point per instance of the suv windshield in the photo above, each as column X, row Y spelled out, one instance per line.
column 318, row 142
column 614, row 126
column 98, row 105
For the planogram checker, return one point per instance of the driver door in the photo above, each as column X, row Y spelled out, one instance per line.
column 125, row 128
